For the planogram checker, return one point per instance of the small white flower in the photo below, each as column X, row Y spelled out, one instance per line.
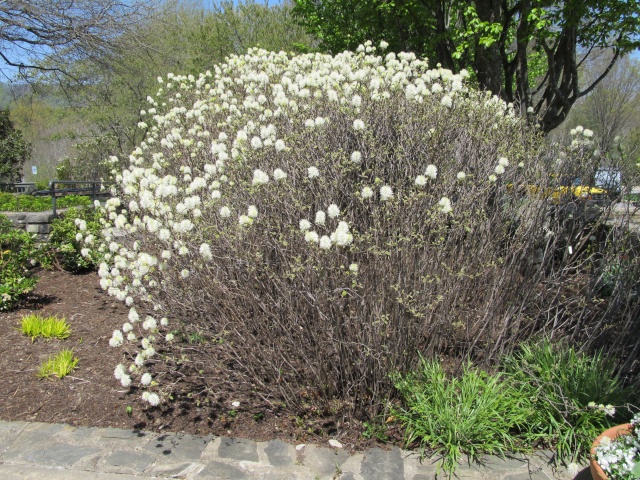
column 184, row 273
column 320, row 217
column 609, row 410
column 431, row 171
column 573, row 469
column 235, row 404
column 256, row 143
column 353, row 268
column 280, row 146
column 492, row 178
column 225, row 212
column 305, row 224
column 386, row 192
column 116, row 339
column 461, row 176
column 503, row 161
column 358, row 125
column 169, row 337
column 252, row 211
column 421, row 180
column 259, row 177
column 245, row 220
column 153, row 399
column 445, row 205
column 446, row 101
column 146, row 379
column 587, row 133
column 356, row 157
column 313, row 172
column 311, row 237
column 333, row 210
column 325, row 242
column 279, row 174
column 367, row 192
column 530, row 110
column 499, row 169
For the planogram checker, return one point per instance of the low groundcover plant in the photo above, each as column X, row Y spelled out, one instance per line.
column 620, row 458
column 35, row 325
column 59, row 365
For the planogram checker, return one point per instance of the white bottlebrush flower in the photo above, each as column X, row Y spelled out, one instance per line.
column 133, row 315
column 492, row 178
column 116, row 339
column 356, row 157
column 145, row 379
column 383, row 46
column 320, row 217
column 245, row 220
column 256, row 143
column 313, row 172
column 325, row 242
column 153, row 399
column 184, row 273
column 225, row 212
column 587, row 133
column 386, row 192
column 169, row 337
column 353, row 268
column 530, row 110
column 259, row 177
column 431, row 171
column 252, row 211
column 311, row 237
column 446, row 101
column 367, row 192
column 421, row 180
column 503, row 161
column 445, row 205
column 235, row 404
column 279, row 174
column 280, row 146
column 125, row 381
column 499, row 169
column 461, row 175
column 119, row 371
column 305, row 224
column 205, row 251
column 333, row 210
column 358, row 125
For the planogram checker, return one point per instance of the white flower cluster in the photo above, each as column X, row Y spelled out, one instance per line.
column 620, row 457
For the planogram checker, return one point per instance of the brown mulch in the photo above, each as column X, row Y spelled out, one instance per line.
column 91, row 396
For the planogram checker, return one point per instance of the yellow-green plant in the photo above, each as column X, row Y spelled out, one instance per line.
column 34, row 325
column 59, row 365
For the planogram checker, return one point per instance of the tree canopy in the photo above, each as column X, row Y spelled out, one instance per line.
column 526, row 51
column 14, row 151
column 64, row 31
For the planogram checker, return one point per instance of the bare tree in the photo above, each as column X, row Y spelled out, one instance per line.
column 48, row 35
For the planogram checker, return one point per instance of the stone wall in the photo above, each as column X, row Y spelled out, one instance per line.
column 33, row 222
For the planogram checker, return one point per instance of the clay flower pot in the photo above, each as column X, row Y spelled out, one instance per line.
column 614, row 432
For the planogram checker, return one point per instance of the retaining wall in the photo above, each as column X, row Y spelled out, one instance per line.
column 38, row 223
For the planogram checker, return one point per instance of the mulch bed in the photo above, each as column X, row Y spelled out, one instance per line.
column 91, row 396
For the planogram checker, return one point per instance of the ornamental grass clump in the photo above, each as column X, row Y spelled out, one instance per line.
column 320, row 219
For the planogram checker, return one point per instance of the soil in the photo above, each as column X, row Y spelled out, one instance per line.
column 91, row 396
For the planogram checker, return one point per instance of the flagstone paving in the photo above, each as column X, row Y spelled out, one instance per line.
column 30, row 451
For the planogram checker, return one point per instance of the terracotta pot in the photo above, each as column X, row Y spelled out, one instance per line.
column 596, row 472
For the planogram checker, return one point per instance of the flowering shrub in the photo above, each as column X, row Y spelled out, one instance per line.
column 18, row 255
column 323, row 218
column 620, row 458
column 75, row 237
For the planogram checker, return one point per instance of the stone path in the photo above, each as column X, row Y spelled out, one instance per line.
column 37, row 451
